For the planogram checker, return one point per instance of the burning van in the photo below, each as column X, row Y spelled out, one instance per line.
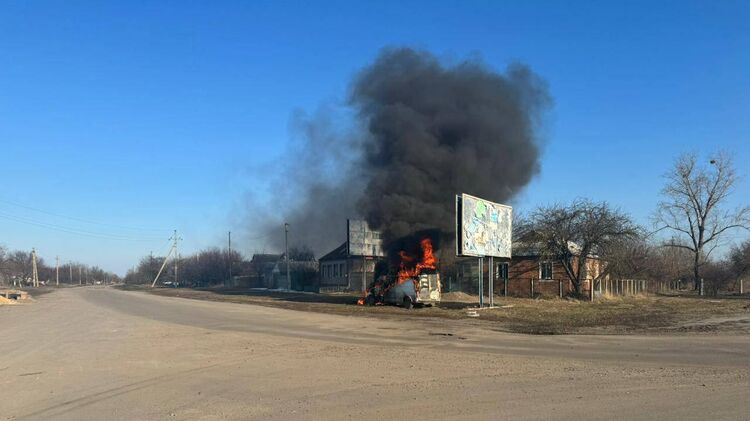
column 415, row 282
column 422, row 290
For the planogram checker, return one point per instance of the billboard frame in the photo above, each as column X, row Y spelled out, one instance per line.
column 460, row 252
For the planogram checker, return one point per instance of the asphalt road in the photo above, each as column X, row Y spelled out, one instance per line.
column 99, row 353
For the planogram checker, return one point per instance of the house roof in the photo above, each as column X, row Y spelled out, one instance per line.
column 523, row 249
column 339, row 253
column 265, row 258
column 296, row 266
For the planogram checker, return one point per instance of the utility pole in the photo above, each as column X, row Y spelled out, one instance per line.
column 34, row 272
column 70, row 269
column 176, row 256
column 172, row 250
column 286, row 246
column 80, row 280
column 57, row 271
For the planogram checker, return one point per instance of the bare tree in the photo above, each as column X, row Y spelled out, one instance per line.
column 633, row 258
column 4, row 269
column 740, row 259
column 676, row 263
column 20, row 266
column 718, row 275
column 693, row 207
column 578, row 236
column 301, row 253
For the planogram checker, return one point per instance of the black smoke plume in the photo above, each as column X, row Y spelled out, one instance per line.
column 424, row 131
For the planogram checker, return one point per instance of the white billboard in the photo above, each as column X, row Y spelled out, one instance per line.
column 361, row 240
column 483, row 228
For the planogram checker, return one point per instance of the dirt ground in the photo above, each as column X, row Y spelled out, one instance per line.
column 100, row 353
column 640, row 314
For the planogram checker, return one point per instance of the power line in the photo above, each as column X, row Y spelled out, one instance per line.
column 76, row 231
column 85, row 221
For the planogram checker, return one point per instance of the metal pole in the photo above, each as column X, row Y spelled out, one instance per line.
column 491, row 276
column 286, row 246
column 34, row 273
column 364, row 273
column 164, row 263
column 57, row 271
column 481, row 283
column 742, row 291
column 176, row 256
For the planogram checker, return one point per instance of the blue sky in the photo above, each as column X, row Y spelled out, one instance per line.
column 136, row 118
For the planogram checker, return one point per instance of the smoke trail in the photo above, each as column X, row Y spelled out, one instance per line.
column 314, row 187
column 423, row 131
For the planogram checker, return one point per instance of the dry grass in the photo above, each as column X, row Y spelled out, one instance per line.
column 642, row 314
column 613, row 315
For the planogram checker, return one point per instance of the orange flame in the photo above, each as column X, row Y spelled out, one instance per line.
column 428, row 262
column 406, row 271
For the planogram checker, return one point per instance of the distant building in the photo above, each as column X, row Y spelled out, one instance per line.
column 334, row 268
column 261, row 270
column 303, row 275
column 351, row 266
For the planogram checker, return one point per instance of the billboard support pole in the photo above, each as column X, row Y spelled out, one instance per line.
column 481, row 283
column 491, row 276
column 364, row 272
column 477, row 219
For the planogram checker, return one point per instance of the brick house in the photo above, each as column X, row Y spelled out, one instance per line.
column 527, row 274
column 530, row 274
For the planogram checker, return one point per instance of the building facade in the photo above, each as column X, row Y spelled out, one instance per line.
column 340, row 271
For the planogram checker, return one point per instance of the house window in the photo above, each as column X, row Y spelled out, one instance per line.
column 545, row 270
column 335, row 270
column 502, row 271
column 341, row 269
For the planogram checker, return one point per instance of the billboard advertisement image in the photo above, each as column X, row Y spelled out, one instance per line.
column 483, row 228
